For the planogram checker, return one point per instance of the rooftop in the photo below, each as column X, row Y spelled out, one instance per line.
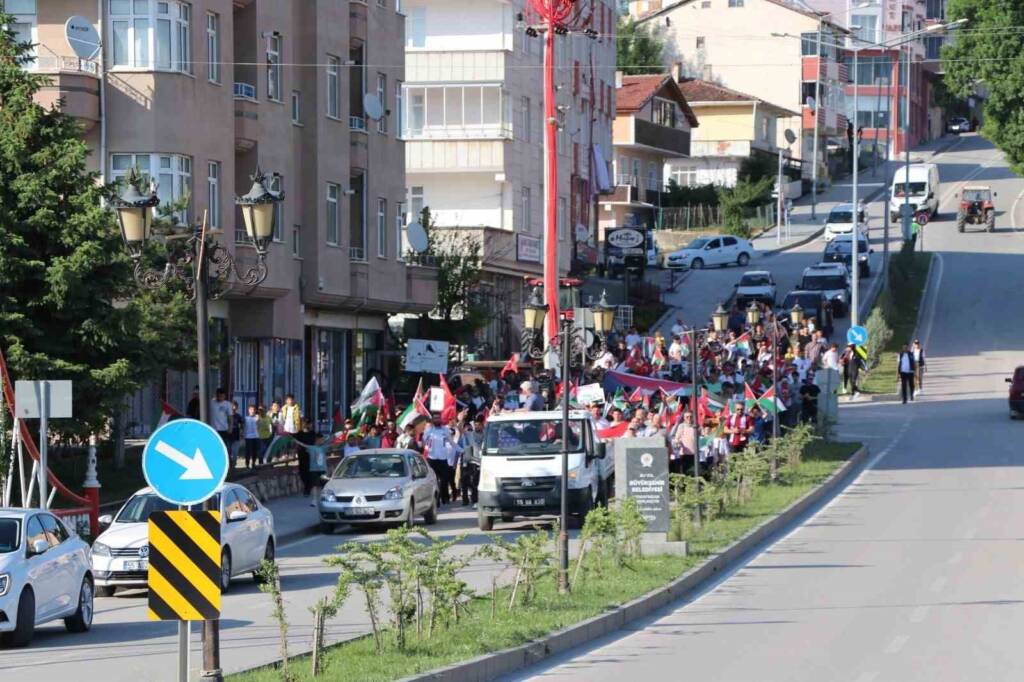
column 699, row 91
column 636, row 91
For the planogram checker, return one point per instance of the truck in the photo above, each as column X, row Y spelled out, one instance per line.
column 521, row 467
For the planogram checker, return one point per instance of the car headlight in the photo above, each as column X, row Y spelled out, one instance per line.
column 99, row 549
column 840, row 297
column 329, row 496
column 863, row 257
column 488, row 481
column 5, row 583
column 394, row 494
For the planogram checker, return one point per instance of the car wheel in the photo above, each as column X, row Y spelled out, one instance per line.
column 484, row 522
column 697, row 264
column 579, row 518
column 960, row 220
column 430, row 518
column 268, row 555
column 326, row 528
column 225, row 570
column 105, row 591
column 743, row 259
column 26, row 625
column 81, row 620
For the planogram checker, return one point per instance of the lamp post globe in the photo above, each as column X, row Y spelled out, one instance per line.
column 135, row 213
column 258, row 211
column 604, row 315
column 796, row 314
column 720, row 319
column 534, row 311
column 753, row 314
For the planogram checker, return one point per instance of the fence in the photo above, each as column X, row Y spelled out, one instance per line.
column 704, row 216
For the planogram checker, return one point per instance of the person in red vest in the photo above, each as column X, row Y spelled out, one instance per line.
column 739, row 426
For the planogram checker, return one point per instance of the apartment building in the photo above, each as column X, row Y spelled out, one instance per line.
column 766, row 48
column 200, row 94
column 473, row 127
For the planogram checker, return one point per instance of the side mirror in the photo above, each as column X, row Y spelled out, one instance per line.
column 105, row 520
column 237, row 515
column 38, row 547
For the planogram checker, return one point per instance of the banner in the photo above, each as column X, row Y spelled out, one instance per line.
column 614, row 380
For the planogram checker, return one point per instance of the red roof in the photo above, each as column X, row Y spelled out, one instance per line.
column 696, row 90
column 636, row 91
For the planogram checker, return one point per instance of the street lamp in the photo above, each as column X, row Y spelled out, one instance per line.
column 753, row 314
column 796, row 314
column 194, row 261
column 604, row 315
column 720, row 319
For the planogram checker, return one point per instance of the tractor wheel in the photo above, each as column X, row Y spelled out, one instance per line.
column 960, row 220
column 990, row 219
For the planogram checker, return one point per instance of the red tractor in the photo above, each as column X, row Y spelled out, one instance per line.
column 976, row 208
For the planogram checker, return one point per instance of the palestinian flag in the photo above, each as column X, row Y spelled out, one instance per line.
column 749, row 397
column 614, row 431
column 658, row 359
column 168, row 414
column 448, row 413
column 770, row 403
column 618, row 401
column 511, row 367
column 370, row 400
column 742, row 344
column 416, row 409
column 279, row 446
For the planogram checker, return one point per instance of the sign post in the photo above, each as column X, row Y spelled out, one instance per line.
column 858, row 336
column 42, row 400
column 641, row 472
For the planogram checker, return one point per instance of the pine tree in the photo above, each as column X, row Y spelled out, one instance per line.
column 69, row 308
column 638, row 51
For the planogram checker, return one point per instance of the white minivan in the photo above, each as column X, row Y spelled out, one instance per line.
column 521, row 467
column 924, row 190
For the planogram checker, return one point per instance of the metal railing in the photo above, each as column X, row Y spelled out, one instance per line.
column 245, row 91
column 72, row 64
column 356, row 253
column 495, row 131
column 357, row 123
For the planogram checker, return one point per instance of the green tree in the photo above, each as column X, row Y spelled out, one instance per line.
column 737, row 200
column 987, row 51
column 68, row 305
column 637, row 50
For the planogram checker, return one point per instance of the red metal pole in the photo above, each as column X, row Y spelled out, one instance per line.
column 551, row 184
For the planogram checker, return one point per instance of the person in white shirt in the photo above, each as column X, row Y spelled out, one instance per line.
column 437, row 440
column 595, row 410
column 632, row 338
column 678, row 329
column 606, row 361
column 802, row 364
column 830, row 360
column 220, row 415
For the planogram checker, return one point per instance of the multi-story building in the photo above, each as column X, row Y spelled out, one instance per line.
column 473, row 125
column 734, row 127
column 766, row 48
column 653, row 125
column 200, row 94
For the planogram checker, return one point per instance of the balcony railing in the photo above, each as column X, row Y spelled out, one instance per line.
column 356, row 253
column 458, row 66
column 245, row 91
column 496, row 131
column 65, row 64
column 357, row 123
column 672, row 140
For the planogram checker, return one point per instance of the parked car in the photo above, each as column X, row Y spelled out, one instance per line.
column 383, row 485
column 44, row 575
column 840, row 221
column 120, row 555
column 812, row 302
column 1017, row 393
column 713, row 250
column 832, row 280
column 959, row 124
column 840, row 250
column 755, row 285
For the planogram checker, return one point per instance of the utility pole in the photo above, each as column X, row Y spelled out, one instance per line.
column 854, row 262
column 906, row 151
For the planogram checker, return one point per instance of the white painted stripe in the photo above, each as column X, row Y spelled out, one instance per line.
column 867, row 677
column 919, row 614
column 897, row 644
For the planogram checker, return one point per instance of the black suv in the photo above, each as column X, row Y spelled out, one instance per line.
column 840, row 250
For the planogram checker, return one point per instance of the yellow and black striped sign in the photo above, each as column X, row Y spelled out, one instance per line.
column 184, row 565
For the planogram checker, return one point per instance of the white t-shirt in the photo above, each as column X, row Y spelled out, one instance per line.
column 678, row 329
column 830, row 359
column 220, row 414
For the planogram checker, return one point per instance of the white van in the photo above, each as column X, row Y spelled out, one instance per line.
column 924, row 190
column 521, row 467
column 840, row 221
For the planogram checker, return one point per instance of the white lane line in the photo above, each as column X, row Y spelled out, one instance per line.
column 1013, row 214
column 938, row 584
column 919, row 614
column 897, row 644
column 956, row 558
column 302, row 541
column 867, row 677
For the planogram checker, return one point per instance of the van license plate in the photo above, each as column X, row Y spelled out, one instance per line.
column 142, row 565
column 532, row 502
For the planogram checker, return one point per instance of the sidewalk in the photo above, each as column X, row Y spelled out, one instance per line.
column 294, row 518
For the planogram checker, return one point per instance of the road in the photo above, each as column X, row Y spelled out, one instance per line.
column 911, row 573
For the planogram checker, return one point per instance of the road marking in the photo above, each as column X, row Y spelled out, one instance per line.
column 867, row 677
column 956, row 558
column 933, row 291
column 1013, row 214
column 897, row 644
column 969, row 535
column 938, row 584
column 919, row 614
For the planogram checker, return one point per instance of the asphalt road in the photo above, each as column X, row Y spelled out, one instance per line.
column 911, row 573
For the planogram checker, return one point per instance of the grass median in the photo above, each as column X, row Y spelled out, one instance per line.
column 485, row 626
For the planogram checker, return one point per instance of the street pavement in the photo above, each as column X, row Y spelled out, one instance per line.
column 911, row 573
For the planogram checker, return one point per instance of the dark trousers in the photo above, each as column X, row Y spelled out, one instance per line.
column 907, row 386
column 252, row 452
column 469, row 477
column 443, row 473
column 850, row 377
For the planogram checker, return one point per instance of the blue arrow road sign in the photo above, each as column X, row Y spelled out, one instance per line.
column 185, row 461
column 858, row 336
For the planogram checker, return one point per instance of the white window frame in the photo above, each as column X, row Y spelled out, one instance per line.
column 149, row 35
column 525, row 209
column 296, row 107
column 171, row 173
column 382, row 227
column 400, row 238
column 30, row 21
column 276, row 185
column 275, row 44
column 333, row 95
column 213, row 47
column 333, row 233
column 416, row 27
column 296, row 241
column 735, row 3
column 382, row 96
column 563, row 217
column 213, row 174
column 527, row 114
column 399, row 111
column 417, row 202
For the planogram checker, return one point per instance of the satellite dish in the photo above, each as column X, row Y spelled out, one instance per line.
column 790, row 136
column 811, row 103
column 82, row 37
column 417, row 237
column 372, row 106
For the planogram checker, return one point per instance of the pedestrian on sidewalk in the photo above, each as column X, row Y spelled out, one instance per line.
column 852, row 363
column 906, row 366
column 220, row 416
column 919, row 366
column 437, row 439
column 236, row 425
column 264, row 431
column 251, row 432
column 306, row 437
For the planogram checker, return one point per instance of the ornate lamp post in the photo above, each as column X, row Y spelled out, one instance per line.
column 195, row 260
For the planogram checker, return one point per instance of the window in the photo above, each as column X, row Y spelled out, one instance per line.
column 399, row 114
column 933, row 47
column 333, row 191
column 700, row 42
column 152, row 34
column 382, row 228
column 34, row 531
column 274, row 67
column 471, row 111
column 665, row 113
column 24, row 25
column 55, row 531
column 333, row 87
column 934, row 9
column 296, row 242
column 357, row 216
column 526, row 114
column 296, row 108
column 382, row 97
column 705, row 4
column 872, row 111
column 868, row 23
column 213, row 47
column 735, row 3
column 416, row 203
column 276, row 184
column 809, row 44
column 172, row 174
column 382, row 3
column 213, row 192
column 416, row 27
column 525, row 210
column 400, row 239
column 873, row 70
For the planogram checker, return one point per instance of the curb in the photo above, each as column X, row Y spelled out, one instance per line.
column 490, row 666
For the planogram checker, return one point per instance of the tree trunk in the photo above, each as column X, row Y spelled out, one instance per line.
column 119, row 453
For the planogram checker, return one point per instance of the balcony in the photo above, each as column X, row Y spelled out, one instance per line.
column 721, row 148
column 420, row 287
column 456, row 112
column 245, row 91
column 672, row 141
column 455, row 156
column 459, row 67
column 74, row 86
column 357, row 19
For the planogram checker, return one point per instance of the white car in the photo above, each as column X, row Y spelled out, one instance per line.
column 755, row 285
column 44, row 575
column 840, row 221
column 713, row 250
column 120, row 555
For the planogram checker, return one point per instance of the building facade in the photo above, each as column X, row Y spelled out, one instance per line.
column 766, row 48
column 200, row 94
column 472, row 120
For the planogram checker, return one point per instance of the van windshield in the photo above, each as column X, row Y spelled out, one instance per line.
column 915, row 188
column 842, row 217
column 530, row 437
column 823, row 283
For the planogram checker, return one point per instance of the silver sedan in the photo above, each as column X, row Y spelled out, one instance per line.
column 379, row 486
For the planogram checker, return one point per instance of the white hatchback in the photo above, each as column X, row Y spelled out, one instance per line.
column 44, row 575
column 120, row 555
column 840, row 221
column 714, row 250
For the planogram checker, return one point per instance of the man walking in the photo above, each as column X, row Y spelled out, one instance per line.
column 438, row 442
column 919, row 365
column 906, row 366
